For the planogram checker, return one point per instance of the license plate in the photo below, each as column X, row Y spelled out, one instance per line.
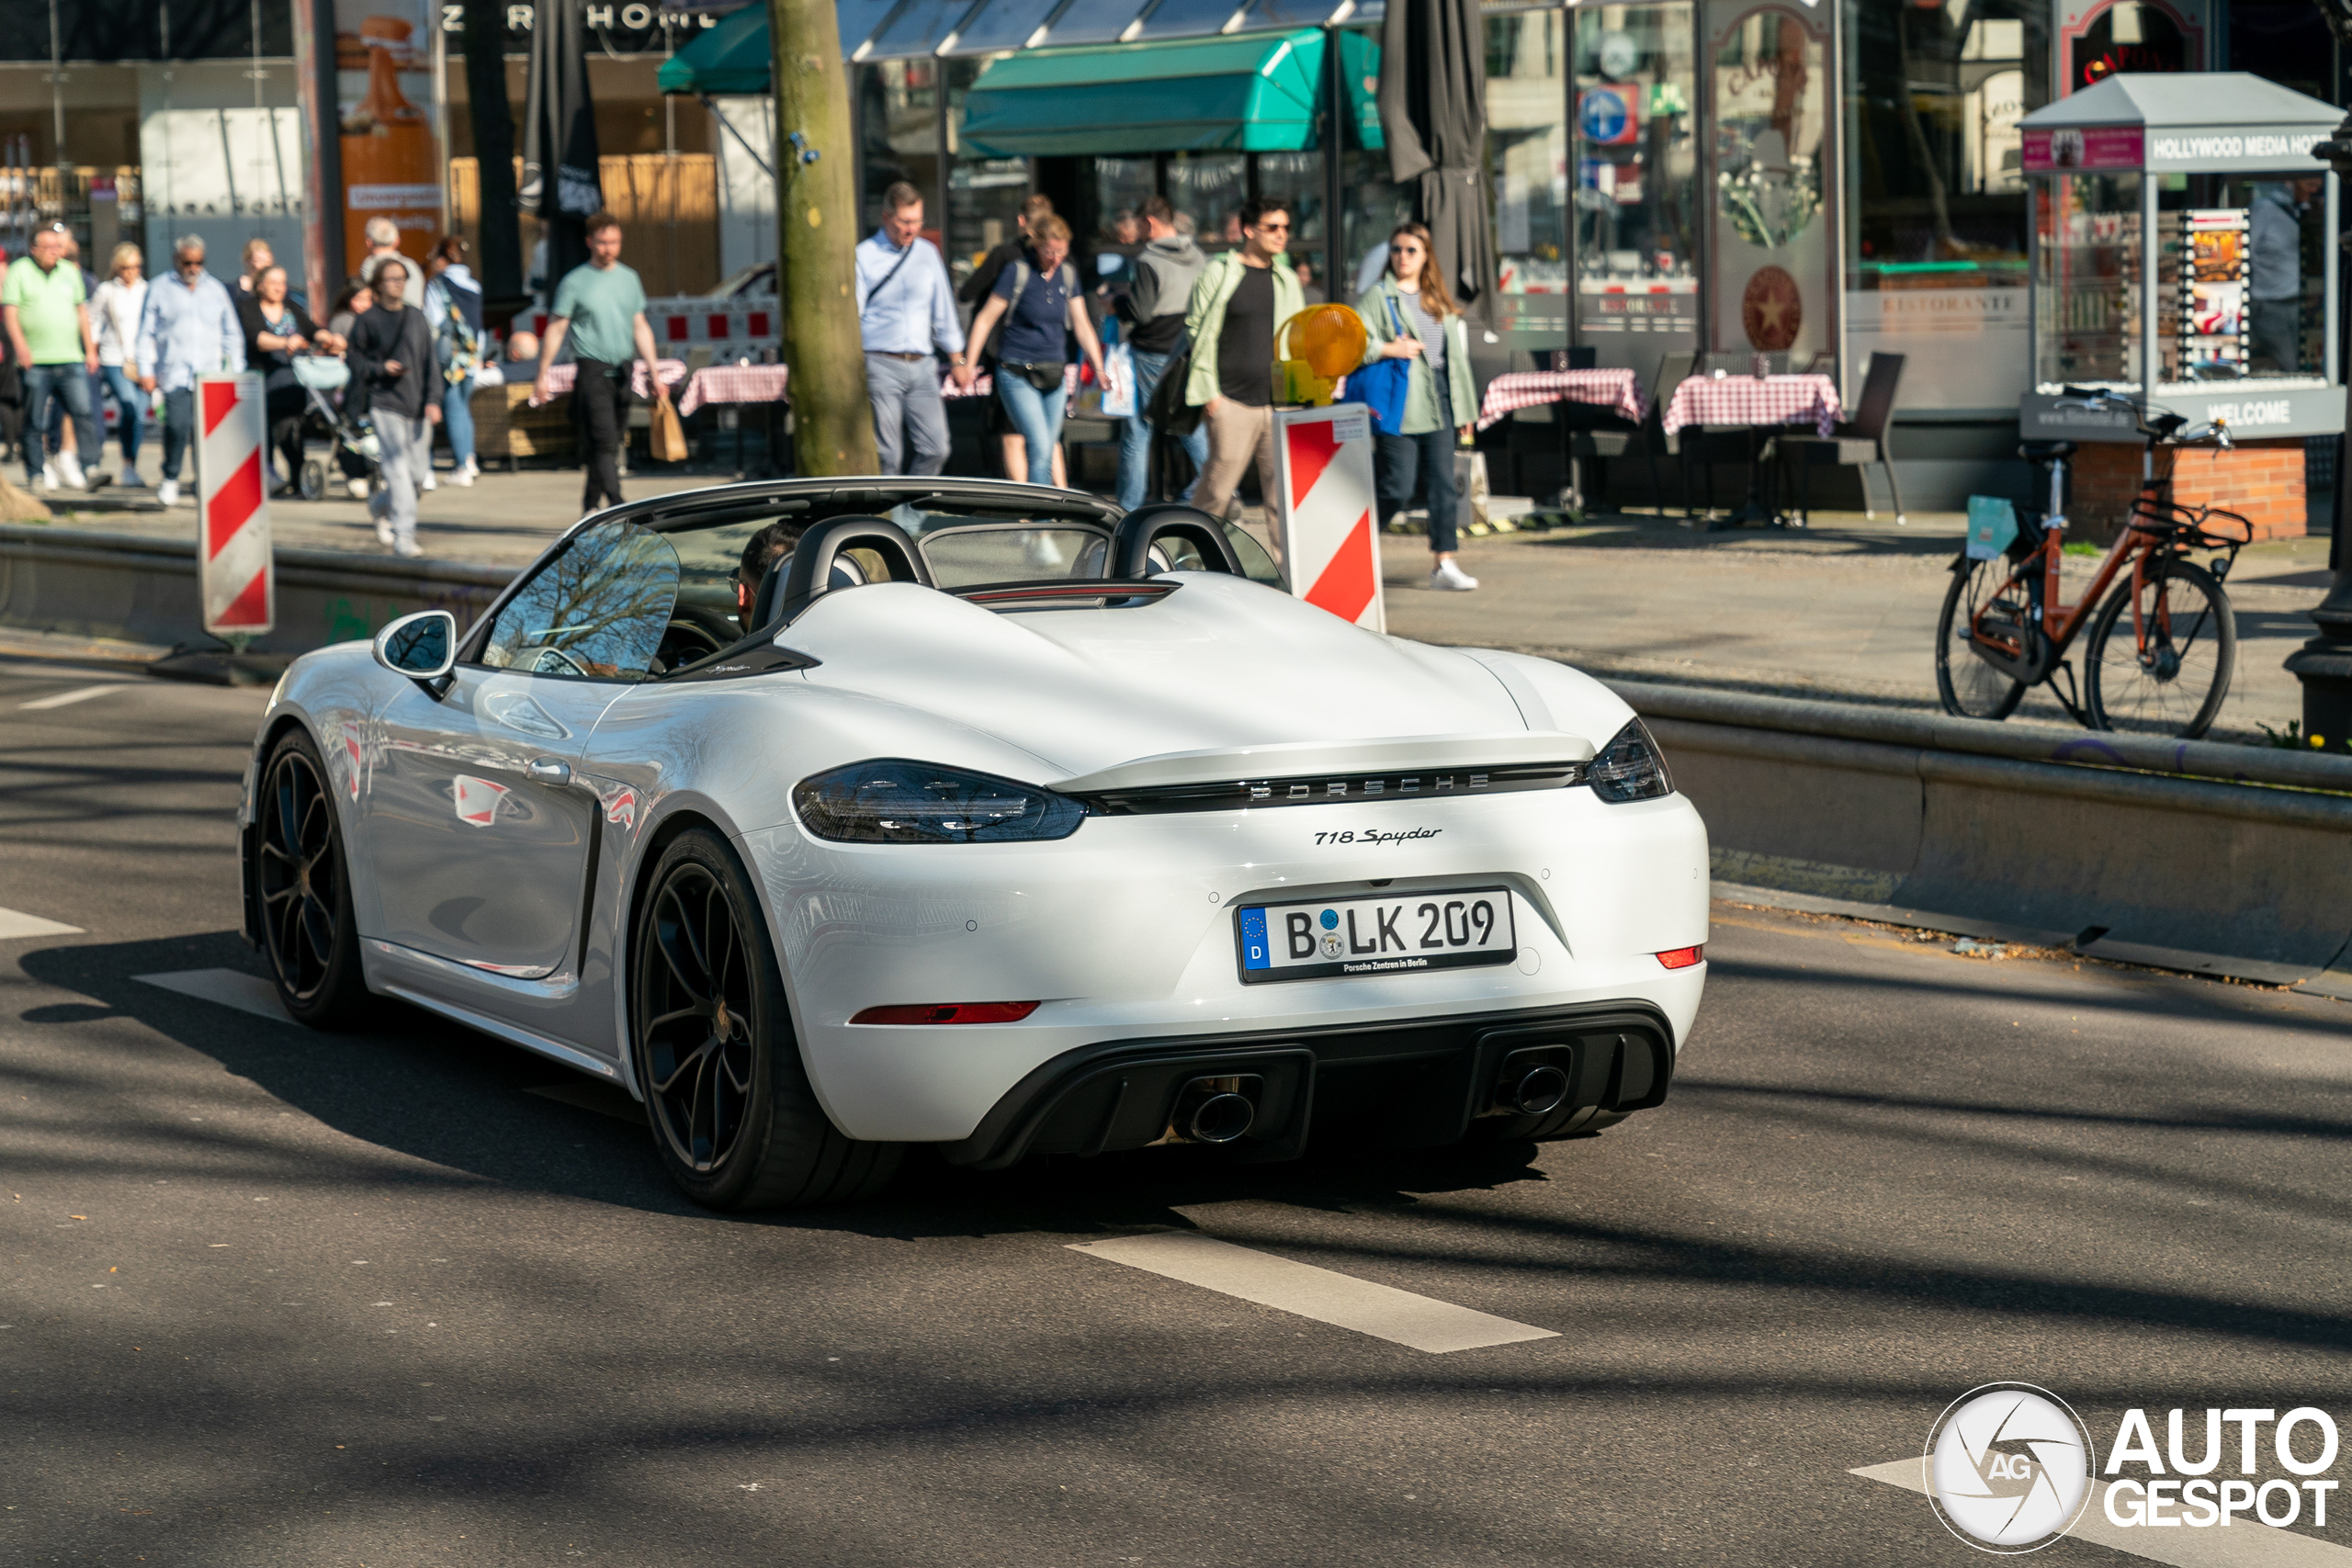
column 1447, row 930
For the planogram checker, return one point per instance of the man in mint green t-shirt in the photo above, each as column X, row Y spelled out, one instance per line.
column 601, row 308
column 48, row 328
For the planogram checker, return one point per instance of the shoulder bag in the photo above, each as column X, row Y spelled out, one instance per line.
column 1384, row 385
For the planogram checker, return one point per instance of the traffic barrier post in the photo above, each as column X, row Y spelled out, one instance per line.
column 235, row 577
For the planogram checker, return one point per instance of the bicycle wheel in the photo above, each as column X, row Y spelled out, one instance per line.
column 1970, row 687
column 2168, row 675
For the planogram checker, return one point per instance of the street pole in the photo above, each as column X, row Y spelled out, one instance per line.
column 817, row 243
column 2324, row 664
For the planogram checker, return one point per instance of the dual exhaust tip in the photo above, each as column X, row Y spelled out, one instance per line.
column 1216, row 1110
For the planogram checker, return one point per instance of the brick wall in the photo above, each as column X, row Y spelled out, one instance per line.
column 2262, row 480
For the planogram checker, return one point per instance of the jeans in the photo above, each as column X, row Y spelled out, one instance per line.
column 70, row 384
column 458, row 416
column 1400, row 460
column 284, row 406
column 599, row 402
column 131, row 406
column 907, row 412
column 179, row 428
column 1037, row 415
column 1135, row 436
column 407, row 448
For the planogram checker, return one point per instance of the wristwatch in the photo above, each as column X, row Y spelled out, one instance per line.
column 955, row 359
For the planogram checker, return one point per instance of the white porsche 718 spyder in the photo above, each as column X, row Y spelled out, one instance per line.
column 990, row 819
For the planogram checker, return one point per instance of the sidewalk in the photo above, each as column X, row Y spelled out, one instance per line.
column 1845, row 611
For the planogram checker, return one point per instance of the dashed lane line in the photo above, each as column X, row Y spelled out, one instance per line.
column 229, row 988
column 79, row 695
column 1381, row 1311
column 2246, row 1543
column 15, row 922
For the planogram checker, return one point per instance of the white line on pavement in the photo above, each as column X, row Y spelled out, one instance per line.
column 247, row 992
column 1380, row 1311
column 66, row 699
column 14, row 922
column 2248, row 1543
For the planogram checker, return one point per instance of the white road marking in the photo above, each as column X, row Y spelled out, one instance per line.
column 15, row 922
column 1381, row 1311
column 2246, row 1543
column 67, row 699
column 247, row 992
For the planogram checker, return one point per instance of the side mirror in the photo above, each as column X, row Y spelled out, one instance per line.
column 423, row 646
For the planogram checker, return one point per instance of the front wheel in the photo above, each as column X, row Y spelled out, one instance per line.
column 1970, row 687
column 2166, row 670
column 733, row 1114
column 303, row 883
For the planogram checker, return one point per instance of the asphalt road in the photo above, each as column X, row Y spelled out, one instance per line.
column 275, row 1298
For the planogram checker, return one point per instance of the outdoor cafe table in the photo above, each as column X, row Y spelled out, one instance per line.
column 733, row 384
column 1757, row 403
column 560, row 378
column 1620, row 392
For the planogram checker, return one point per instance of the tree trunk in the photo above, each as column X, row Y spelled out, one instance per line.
column 498, row 239
column 816, row 262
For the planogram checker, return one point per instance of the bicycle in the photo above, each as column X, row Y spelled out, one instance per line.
column 2004, row 626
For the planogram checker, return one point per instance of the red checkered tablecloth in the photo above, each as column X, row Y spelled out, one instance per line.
column 1617, row 391
column 1746, row 400
column 734, row 384
column 560, row 378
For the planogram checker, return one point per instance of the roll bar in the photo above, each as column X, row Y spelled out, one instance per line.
column 809, row 568
column 1130, row 552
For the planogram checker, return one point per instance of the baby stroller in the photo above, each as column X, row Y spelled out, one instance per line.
column 320, row 376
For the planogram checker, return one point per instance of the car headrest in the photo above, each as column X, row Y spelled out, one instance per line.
column 808, row 571
column 846, row 573
column 1131, row 553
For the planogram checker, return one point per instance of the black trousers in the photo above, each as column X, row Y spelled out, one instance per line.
column 600, row 401
column 284, row 406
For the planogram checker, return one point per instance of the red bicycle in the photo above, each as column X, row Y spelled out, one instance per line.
column 2163, row 645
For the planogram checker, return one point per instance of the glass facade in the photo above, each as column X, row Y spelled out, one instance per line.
column 899, row 136
column 1527, row 152
column 984, row 194
column 1635, row 214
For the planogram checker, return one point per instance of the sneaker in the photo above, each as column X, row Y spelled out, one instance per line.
column 69, row 469
column 359, row 489
column 49, row 475
column 473, row 470
column 96, row 481
column 383, row 530
column 430, row 482
column 1451, row 579
column 130, row 480
column 464, row 475
column 407, row 549
column 168, row 492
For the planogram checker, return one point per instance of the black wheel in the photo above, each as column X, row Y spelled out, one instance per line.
column 312, row 480
column 305, row 892
column 1970, row 687
column 2167, row 671
column 732, row 1111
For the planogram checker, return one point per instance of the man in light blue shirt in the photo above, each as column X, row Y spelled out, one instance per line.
column 906, row 308
column 190, row 329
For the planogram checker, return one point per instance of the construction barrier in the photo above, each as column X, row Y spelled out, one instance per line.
column 1331, row 548
column 232, row 506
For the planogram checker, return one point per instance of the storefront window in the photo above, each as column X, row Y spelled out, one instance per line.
column 1527, row 150
column 1208, row 188
column 2089, row 261
column 1936, row 263
column 1635, row 208
column 984, row 194
column 2241, row 277
column 1374, row 208
column 899, row 126
column 1297, row 178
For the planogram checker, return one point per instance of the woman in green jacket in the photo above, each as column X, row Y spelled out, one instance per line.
column 1410, row 315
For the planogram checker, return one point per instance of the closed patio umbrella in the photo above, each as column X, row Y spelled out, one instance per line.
column 1433, row 114
column 560, row 184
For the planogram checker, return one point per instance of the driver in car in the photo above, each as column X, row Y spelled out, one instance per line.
column 762, row 552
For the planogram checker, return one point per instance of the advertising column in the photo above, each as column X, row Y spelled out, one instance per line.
column 1769, row 183
column 386, row 94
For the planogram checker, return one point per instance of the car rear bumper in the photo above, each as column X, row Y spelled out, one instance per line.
column 1419, row 1083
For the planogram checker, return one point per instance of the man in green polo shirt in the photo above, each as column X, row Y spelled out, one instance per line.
column 48, row 327
column 601, row 307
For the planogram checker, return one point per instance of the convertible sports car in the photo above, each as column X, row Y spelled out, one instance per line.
column 990, row 819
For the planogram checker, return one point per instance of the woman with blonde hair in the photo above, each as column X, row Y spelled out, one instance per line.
column 114, row 308
column 1410, row 314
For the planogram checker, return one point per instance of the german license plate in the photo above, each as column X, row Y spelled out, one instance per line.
column 1447, row 930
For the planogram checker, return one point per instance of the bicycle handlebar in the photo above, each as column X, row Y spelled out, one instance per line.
column 2161, row 427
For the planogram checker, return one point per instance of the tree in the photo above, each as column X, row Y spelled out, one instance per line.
column 817, row 244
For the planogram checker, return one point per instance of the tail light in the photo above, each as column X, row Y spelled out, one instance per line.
column 1682, row 957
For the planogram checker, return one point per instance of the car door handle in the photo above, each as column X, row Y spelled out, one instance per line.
column 550, row 771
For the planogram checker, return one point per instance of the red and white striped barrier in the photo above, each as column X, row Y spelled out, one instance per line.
column 234, row 561
column 1330, row 547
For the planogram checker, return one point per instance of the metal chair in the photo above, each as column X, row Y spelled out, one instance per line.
column 1619, row 438
column 1856, row 443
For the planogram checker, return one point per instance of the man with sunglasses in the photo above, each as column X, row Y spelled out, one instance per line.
column 190, row 329
column 1242, row 296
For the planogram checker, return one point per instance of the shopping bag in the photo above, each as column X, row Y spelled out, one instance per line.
column 668, row 436
column 1992, row 527
column 1119, row 397
column 1383, row 385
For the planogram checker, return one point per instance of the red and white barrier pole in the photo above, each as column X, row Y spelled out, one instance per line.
column 235, row 568
column 1326, row 511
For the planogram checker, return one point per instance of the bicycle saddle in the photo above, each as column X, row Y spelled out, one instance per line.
column 2045, row 451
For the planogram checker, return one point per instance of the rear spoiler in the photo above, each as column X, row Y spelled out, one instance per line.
column 1291, row 759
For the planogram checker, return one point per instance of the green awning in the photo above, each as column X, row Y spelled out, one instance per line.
column 1241, row 93
column 731, row 58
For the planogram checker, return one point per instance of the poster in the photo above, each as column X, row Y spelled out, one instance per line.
column 1775, row 286
column 385, row 103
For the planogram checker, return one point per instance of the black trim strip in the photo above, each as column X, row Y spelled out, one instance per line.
column 1338, row 789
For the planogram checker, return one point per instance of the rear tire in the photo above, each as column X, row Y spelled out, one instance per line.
column 2192, row 652
column 303, row 890
column 733, row 1114
column 1969, row 687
